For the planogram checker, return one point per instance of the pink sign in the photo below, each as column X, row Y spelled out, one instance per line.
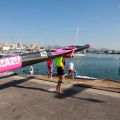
column 61, row 51
column 10, row 63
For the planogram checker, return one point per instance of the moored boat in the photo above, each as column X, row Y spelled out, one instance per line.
column 78, row 54
column 83, row 77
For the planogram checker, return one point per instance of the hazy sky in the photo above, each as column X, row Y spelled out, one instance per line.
column 37, row 21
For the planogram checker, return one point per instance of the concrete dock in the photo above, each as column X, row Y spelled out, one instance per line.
column 25, row 97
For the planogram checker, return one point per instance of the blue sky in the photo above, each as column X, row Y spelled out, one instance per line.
column 37, row 21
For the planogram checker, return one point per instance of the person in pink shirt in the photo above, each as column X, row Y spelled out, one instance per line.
column 50, row 67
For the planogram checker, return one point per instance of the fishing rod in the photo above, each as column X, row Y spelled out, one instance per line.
column 19, row 61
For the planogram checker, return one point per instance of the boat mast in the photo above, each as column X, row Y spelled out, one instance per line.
column 76, row 37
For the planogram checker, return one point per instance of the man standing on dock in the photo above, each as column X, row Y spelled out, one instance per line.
column 60, row 70
column 50, row 68
column 31, row 70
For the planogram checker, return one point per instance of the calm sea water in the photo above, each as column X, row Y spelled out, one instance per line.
column 92, row 65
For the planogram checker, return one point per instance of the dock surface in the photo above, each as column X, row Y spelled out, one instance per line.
column 25, row 97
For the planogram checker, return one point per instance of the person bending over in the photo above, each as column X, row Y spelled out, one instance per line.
column 71, row 70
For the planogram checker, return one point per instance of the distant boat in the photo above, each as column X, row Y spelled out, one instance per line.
column 78, row 54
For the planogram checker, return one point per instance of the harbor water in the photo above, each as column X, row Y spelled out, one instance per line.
column 92, row 65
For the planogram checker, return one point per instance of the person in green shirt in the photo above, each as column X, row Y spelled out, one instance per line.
column 60, row 64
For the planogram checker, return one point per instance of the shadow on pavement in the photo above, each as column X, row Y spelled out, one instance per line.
column 33, row 88
column 71, row 91
column 67, row 92
column 13, row 83
column 6, row 76
column 90, row 100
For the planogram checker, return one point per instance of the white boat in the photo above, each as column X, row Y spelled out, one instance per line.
column 83, row 77
column 78, row 54
column 78, row 76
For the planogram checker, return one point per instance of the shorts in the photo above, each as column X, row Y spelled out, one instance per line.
column 60, row 71
column 70, row 71
column 50, row 67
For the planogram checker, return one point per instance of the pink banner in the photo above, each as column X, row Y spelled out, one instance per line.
column 10, row 63
column 61, row 51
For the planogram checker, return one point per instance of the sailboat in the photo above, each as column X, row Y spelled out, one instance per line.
column 78, row 54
